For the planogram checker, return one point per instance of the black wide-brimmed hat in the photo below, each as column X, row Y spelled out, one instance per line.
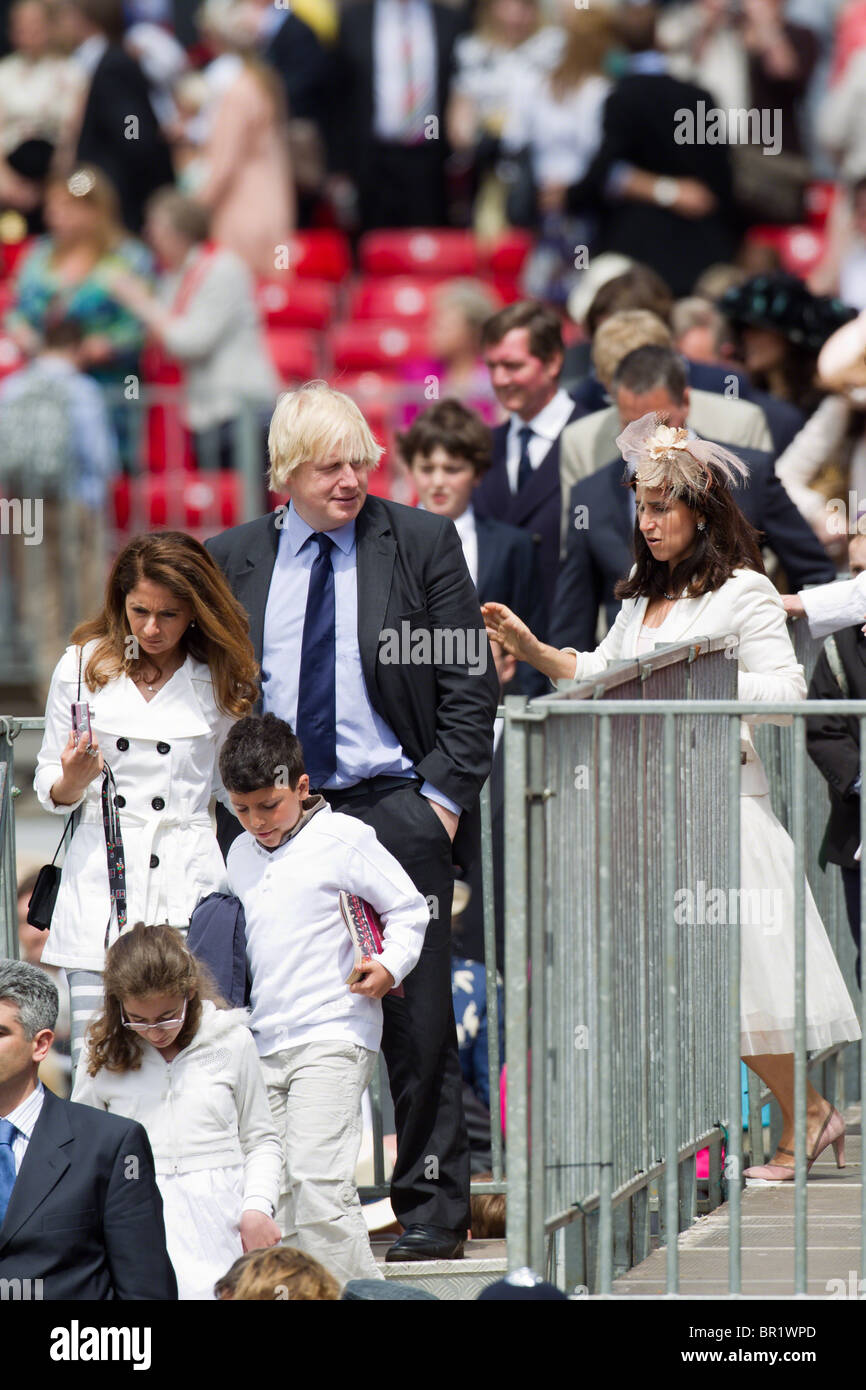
column 782, row 303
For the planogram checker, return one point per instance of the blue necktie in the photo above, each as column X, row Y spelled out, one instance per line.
column 316, row 723
column 524, row 467
column 7, row 1165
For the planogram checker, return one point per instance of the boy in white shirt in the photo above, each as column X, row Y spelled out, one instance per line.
column 317, row 1036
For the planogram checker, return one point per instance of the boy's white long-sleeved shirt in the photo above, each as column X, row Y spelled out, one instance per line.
column 298, row 948
column 208, row 1108
column 830, row 607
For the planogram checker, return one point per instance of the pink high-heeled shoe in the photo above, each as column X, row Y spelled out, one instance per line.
column 830, row 1133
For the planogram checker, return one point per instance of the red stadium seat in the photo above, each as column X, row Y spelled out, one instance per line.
column 359, row 347
column 321, row 254
column 183, row 501
column 294, row 353
column 419, row 251
column 801, row 248
column 157, row 368
column 395, row 297
column 820, row 198
column 295, row 303
column 364, row 386
column 11, row 253
column 507, row 253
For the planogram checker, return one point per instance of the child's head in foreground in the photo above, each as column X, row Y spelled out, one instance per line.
column 279, row 1273
column 262, row 769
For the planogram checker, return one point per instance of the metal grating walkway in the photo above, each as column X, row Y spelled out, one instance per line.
column 768, row 1238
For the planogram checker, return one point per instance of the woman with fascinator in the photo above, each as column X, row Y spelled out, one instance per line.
column 699, row 572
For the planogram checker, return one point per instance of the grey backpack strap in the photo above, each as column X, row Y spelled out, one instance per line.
column 835, row 662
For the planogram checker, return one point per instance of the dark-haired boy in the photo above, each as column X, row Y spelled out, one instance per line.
column 317, row 1036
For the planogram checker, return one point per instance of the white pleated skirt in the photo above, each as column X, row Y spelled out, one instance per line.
column 766, row 916
column 202, row 1212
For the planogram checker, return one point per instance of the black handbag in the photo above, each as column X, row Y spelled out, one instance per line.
column 44, row 895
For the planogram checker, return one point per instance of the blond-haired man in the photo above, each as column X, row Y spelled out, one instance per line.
column 352, row 602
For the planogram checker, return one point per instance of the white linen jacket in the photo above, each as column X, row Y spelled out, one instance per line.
column 747, row 607
column 163, row 754
column 208, row 1108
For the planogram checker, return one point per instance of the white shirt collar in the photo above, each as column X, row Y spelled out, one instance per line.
column 25, row 1115
column 465, row 524
column 299, row 532
column 551, row 420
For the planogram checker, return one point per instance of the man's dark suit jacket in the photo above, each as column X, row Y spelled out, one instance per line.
column 469, row 939
column 537, row 508
column 410, row 570
column 137, row 167
column 508, row 569
column 351, row 131
column 833, row 741
column 639, row 124
column 601, row 554
column 509, row 572
column 304, row 67
column 85, row 1214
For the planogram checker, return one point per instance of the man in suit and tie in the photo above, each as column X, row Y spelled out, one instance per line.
column 80, row 1211
column 599, row 549
column 523, row 349
column 393, row 62
column 369, row 633
column 119, row 132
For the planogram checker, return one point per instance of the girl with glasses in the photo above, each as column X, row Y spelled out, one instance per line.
column 168, row 1052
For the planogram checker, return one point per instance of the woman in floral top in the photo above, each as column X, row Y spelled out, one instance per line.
column 65, row 275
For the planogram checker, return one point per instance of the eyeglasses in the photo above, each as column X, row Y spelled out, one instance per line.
column 164, row 1023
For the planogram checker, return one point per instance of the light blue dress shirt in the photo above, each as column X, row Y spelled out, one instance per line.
column 366, row 745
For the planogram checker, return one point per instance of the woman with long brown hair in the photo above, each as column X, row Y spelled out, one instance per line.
column 165, row 668
column 698, row 572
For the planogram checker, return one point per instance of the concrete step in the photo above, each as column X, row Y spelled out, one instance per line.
column 483, row 1263
column 767, row 1238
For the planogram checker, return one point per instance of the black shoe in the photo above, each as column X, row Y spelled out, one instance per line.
column 426, row 1243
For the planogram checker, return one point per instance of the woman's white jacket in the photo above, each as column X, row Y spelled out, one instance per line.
column 208, row 1108
column 746, row 607
column 163, row 754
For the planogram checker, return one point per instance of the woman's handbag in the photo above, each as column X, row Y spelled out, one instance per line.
column 44, row 895
column 41, row 905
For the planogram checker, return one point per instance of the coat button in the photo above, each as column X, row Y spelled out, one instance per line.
column 122, row 744
column 120, row 800
column 158, row 804
column 154, row 861
column 163, row 748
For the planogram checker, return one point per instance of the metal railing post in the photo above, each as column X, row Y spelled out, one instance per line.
column 516, row 983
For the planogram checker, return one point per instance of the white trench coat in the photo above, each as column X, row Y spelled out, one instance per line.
column 163, row 754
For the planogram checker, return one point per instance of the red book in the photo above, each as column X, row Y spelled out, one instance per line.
column 365, row 928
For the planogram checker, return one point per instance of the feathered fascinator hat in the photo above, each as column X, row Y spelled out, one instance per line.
column 664, row 456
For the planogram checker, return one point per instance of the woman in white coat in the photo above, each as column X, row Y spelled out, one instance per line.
column 166, row 668
column 699, row 572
